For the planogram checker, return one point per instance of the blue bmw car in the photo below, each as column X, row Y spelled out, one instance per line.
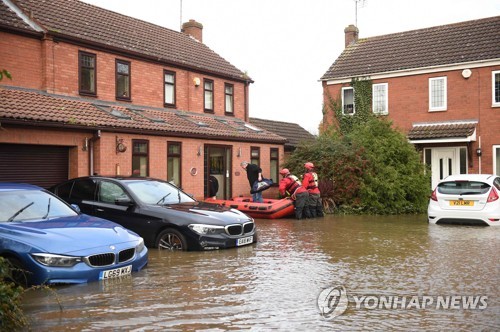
column 51, row 242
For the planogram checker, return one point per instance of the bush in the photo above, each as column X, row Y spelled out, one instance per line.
column 11, row 315
column 370, row 169
column 395, row 181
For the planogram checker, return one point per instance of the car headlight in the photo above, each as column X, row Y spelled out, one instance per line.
column 140, row 247
column 206, row 229
column 56, row 260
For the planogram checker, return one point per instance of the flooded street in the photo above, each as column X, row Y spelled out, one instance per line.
column 275, row 283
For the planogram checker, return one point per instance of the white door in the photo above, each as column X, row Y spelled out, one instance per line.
column 444, row 162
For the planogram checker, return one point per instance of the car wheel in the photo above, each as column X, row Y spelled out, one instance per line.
column 171, row 239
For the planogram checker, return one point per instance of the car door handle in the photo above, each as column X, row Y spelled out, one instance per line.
column 100, row 210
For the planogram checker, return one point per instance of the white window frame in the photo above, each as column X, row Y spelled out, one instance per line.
column 445, row 94
column 493, row 102
column 353, row 103
column 385, row 109
column 495, row 165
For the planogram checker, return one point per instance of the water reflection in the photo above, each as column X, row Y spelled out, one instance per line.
column 275, row 283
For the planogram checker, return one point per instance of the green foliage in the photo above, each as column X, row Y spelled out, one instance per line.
column 339, row 167
column 364, row 165
column 343, row 124
column 11, row 315
column 5, row 73
column 395, row 181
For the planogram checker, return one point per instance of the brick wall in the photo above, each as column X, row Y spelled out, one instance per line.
column 467, row 99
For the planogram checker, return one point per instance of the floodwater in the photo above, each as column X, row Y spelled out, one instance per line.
column 276, row 283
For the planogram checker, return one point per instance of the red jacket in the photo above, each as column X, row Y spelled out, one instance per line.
column 310, row 182
column 290, row 187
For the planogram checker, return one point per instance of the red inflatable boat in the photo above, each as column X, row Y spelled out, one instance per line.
column 270, row 209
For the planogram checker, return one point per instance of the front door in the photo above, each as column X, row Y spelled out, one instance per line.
column 217, row 171
column 444, row 162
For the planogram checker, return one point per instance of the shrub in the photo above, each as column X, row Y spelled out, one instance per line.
column 11, row 315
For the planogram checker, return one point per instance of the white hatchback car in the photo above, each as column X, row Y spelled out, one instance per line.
column 467, row 199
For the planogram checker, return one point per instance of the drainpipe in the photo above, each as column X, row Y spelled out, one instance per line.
column 479, row 155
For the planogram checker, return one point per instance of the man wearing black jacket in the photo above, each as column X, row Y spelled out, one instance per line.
column 254, row 173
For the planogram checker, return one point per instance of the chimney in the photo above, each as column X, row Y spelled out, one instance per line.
column 193, row 29
column 351, row 35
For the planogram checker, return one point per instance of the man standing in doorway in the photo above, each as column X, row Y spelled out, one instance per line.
column 254, row 173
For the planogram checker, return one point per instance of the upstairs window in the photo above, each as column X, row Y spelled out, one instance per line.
column 208, row 86
column 380, row 98
column 437, row 94
column 169, row 79
column 255, row 155
column 87, row 73
column 140, row 157
column 229, row 98
column 122, row 80
column 495, row 88
column 348, row 101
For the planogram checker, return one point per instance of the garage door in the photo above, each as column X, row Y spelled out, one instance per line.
column 36, row 164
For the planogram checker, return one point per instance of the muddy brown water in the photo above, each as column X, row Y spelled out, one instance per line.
column 275, row 284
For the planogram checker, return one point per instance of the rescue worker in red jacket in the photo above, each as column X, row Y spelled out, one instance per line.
column 290, row 186
column 310, row 182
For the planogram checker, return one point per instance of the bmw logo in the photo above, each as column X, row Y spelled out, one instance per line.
column 112, row 247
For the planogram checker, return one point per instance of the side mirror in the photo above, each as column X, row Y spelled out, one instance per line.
column 76, row 208
column 124, row 201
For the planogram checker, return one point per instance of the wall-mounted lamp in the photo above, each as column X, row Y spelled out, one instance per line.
column 199, row 151
column 238, row 154
column 479, row 152
column 466, row 73
column 196, row 81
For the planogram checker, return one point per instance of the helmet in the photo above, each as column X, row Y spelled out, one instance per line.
column 309, row 165
column 284, row 171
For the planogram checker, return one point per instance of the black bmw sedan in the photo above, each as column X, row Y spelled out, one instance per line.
column 161, row 213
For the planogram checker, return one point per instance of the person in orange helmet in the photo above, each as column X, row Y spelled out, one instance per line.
column 291, row 186
column 310, row 182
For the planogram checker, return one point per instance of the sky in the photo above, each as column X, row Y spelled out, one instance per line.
column 285, row 46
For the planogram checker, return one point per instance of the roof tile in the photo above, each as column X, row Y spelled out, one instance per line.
column 441, row 45
column 40, row 108
column 70, row 19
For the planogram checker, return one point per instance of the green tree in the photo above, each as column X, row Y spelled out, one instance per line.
column 364, row 164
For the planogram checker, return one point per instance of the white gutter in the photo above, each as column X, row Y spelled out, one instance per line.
column 413, row 71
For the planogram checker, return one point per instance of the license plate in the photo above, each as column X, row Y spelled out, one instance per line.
column 115, row 273
column 244, row 240
column 461, row 203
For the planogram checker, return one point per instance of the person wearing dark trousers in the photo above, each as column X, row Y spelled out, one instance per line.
column 254, row 173
column 310, row 182
column 290, row 186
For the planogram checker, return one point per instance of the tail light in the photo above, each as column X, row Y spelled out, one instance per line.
column 493, row 196
column 434, row 196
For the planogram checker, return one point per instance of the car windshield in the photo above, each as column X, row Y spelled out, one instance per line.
column 463, row 188
column 26, row 205
column 157, row 192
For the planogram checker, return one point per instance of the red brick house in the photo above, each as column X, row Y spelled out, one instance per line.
column 93, row 91
column 440, row 85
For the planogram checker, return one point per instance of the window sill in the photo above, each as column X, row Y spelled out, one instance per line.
column 438, row 110
column 123, row 99
column 87, row 94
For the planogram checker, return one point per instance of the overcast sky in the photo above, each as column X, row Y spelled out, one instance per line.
column 285, row 46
